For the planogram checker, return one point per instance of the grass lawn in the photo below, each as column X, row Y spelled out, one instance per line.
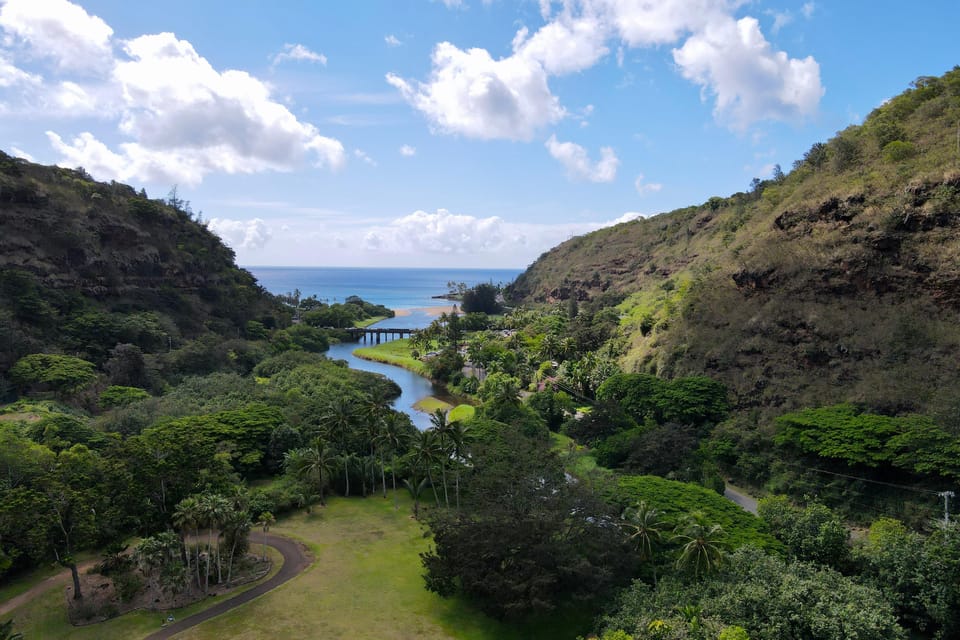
column 395, row 352
column 45, row 617
column 431, row 404
column 366, row 583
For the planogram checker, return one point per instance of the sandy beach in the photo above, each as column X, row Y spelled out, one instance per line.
column 433, row 312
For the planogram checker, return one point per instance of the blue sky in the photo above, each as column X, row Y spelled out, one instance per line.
column 445, row 133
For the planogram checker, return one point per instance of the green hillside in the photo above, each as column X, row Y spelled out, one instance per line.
column 837, row 282
column 86, row 265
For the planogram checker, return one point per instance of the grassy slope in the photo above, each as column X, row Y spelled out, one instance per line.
column 840, row 284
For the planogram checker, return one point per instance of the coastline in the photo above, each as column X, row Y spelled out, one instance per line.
column 433, row 312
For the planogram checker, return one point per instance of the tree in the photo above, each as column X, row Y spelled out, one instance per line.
column 643, row 525
column 312, row 464
column 264, row 521
column 481, row 299
column 339, row 418
column 186, row 517
column 415, row 486
column 525, row 539
column 425, row 454
column 702, row 545
column 62, row 374
column 442, row 428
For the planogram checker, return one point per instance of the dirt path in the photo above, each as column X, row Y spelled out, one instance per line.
column 61, row 578
column 295, row 560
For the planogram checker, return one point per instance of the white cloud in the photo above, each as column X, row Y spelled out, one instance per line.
column 641, row 23
column 733, row 61
column 187, row 119
column 241, row 234
column 471, row 94
column 11, row 76
column 362, row 155
column 59, row 30
column 20, row 153
column 646, row 187
column 780, row 19
column 578, row 165
column 566, row 45
column 408, row 151
column 454, row 4
column 392, row 40
column 299, row 53
column 441, row 232
column 808, row 9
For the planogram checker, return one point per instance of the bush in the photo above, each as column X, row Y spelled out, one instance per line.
column 898, row 151
column 117, row 396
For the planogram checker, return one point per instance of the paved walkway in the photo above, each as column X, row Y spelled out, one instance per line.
column 295, row 560
column 737, row 495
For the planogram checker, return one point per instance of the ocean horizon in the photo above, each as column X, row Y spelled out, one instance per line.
column 393, row 287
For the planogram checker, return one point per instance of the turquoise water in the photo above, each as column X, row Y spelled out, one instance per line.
column 395, row 288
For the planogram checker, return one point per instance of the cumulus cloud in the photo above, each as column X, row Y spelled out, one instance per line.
column 59, row 30
column 299, row 53
column 392, row 40
column 241, row 234
column 440, row 232
column 11, row 76
column 472, row 94
column 407, row 151
column 732, row 60
column 20, row 153
column 646, row 187
column 578, row 165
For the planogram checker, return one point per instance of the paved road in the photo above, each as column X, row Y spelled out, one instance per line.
column 295, row 560
column 737, row 495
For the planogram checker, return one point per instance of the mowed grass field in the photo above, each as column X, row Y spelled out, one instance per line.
column 365, row 583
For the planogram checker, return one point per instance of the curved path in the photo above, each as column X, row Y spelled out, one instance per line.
column 295, row 560
column 736, row 494
column 57, row 579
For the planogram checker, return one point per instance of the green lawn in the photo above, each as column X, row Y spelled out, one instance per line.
column 395, row 352
column 369, row 321
column 45, row 617
column 366, row 583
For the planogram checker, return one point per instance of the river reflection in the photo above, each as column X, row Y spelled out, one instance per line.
column 412, row 386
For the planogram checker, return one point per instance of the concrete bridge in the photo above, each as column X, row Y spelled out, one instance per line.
column 375, row 333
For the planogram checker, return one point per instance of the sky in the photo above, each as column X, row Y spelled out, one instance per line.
column 440, row 133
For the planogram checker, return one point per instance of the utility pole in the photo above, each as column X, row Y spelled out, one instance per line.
column 946, row 495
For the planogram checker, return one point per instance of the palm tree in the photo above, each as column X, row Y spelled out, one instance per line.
column 265, row 520
column 460, row 437
column 442, row 428
column 643, row 525
column 340, row 418
column 346, row 460
column 213, row 511
column 186, row 518
column 425, row 454
column 394, row 437
column 311, row 464
column 703, row 545
column 416, row 489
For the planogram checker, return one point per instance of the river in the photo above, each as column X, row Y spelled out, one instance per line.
column 412, row 386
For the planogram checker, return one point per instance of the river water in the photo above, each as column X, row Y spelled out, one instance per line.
column 412, row 386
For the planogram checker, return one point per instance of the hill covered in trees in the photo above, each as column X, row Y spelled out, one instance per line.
column 85, row 265
column 836, row 282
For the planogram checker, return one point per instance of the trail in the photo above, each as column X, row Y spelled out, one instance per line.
column 295, row 560
column 60, row 578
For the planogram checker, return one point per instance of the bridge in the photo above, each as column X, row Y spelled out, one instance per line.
column 375, row 333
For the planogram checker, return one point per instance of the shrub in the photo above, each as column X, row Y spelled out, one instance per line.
column 898, row 150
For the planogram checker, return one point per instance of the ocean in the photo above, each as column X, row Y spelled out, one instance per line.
column 395, row 288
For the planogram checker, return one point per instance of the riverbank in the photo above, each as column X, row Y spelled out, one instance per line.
column 395, row 352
